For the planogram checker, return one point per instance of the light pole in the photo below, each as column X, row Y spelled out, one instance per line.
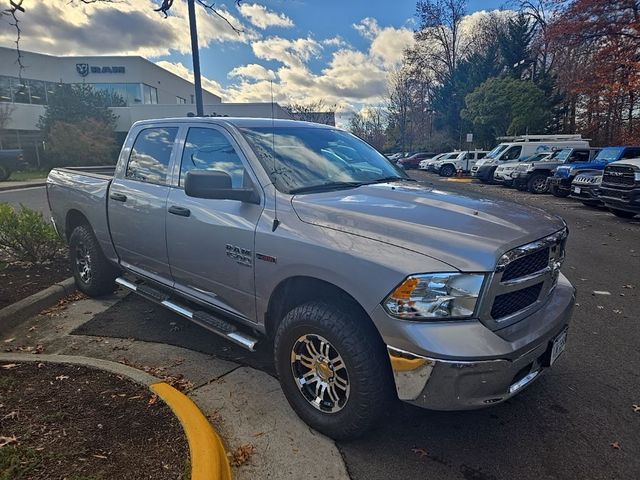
column 195, row 53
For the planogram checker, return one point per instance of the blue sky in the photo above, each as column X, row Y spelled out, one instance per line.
column 340, row 51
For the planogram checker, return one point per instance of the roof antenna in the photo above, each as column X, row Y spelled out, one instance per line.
column 276, row 222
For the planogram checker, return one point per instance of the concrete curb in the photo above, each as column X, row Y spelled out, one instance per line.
column 12, row 315
column 208, row 457
column 5, row 188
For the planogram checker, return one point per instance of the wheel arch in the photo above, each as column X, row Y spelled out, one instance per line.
column 297, row 290
column 74, row 219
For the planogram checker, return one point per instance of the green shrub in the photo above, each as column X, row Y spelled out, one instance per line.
column 25, row 236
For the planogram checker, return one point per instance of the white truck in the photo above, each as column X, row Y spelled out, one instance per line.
column 465, row 160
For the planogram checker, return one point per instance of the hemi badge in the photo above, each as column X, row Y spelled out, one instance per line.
column 266, row 258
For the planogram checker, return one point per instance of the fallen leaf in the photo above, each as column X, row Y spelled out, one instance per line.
column 153, row 399
column 617, row 311
column 615, row 445
column 62, row 377
column 242, row 454
column 421, row 452
column 9, row 340
column 10, row 415
column 636, row 408
column 600, row 292
column 4, row 441
column 100, row 456
column 32, row 329
column 600, row 307
column 9, row 366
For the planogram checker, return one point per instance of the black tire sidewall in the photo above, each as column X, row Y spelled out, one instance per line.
column 103, row 274
column 361, row 410
column 447, row 170
column 532, row 181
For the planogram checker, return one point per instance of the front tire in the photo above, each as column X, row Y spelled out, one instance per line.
column 93, row 273
column 538, row 184
column 447, row 170
column 333, row 368
column 558, row 193
column 622, row 213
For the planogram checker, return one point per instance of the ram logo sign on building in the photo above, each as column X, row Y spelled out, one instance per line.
column 84, row 69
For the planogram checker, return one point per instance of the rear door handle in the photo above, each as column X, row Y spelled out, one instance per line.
column 182, row 211
column 118, row 197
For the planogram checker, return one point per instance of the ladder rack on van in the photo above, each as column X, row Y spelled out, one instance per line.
column 543, row 138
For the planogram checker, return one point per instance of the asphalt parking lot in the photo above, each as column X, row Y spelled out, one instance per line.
column 577, row 421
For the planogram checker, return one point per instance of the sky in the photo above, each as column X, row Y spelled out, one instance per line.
column 339, row 51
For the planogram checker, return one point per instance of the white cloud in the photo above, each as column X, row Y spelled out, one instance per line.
column 290, row 52
column 253, row 71
column 183, row 71
column 259, row 16
column 57, row 28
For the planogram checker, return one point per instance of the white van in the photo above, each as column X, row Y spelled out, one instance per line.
column 522, row 147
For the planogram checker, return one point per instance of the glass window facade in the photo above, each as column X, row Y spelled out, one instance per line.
column 181, row 101
column 37, row 92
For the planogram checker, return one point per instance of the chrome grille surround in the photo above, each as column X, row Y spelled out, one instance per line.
column 548, row 276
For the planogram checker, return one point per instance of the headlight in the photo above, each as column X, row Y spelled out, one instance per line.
column 637, row 176
column 435, row 296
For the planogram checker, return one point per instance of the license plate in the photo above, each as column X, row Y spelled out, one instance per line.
column 557, row 347
column 577, row 189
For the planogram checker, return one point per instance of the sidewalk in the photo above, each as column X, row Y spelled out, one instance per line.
column 246, row 406
column 12, row 185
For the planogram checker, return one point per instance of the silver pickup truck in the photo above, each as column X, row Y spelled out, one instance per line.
column 369, row 285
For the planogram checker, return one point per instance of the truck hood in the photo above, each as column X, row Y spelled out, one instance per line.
column 468, row 233
column 565, row 170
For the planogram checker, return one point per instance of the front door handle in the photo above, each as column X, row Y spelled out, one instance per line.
column 118, row 197
column 182, row 211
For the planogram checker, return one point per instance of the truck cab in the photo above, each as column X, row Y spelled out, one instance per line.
column 462, row 162
column 560, row 182
column 517, row 148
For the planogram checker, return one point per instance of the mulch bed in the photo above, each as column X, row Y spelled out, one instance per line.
column 77, row 423
column 20, row 281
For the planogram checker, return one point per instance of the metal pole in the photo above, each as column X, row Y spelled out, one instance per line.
column 196, row 57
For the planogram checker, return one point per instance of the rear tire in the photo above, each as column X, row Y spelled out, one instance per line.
column 538, row 184
column 93, row 273
column 333, row 368
column 5, row 173
column 622, row 213
column 447, row 170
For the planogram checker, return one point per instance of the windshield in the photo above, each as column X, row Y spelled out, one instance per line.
column 537, row 157
column 609, row 154
column 494, row 153
column 562, row 155
column 312, row 159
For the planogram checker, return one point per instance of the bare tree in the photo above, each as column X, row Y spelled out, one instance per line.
column 370, row 125
column 317, row 111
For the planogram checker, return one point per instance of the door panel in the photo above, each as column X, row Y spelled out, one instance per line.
column 137, row 204
column 211, row 250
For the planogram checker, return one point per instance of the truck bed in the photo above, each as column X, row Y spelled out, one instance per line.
column 76, row 192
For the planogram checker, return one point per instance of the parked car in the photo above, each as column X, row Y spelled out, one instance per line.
column 523, row 147
column 433, row 165
column 586, row 188
column 366, row 284
column 412, row 162
column 560, row 182
column 620, row 189
column 503, row 172
column 424, row 164
column 532, row 174
column 464, row 161
column 10, row 161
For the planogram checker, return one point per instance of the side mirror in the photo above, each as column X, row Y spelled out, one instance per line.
column 216, row 185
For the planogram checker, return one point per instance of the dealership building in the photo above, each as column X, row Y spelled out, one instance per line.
column 137, row 89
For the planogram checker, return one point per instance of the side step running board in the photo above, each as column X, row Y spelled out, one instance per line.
column 212, row 323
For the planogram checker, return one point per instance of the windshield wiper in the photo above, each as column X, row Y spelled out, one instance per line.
column 392, row 179
column 325, row 186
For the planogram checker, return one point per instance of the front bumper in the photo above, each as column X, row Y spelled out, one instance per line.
column 621, row 199
column 586, row 192
column 484, row 172
column 464, row 365
column 561, row 184
column 520, row 179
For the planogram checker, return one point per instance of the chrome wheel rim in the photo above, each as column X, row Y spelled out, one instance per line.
column 320, row 373
column 539, row 185
column 83, row 263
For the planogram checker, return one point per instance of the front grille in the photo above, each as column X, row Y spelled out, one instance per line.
column 618, row 175
column 512, row 302
column 527, row 265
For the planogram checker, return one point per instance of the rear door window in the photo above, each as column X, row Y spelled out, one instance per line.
column 151, row 154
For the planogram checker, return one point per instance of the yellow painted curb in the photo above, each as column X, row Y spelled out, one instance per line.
column 461, row 180
column 208, row 457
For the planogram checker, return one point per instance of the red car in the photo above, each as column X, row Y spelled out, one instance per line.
column 414, row 160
